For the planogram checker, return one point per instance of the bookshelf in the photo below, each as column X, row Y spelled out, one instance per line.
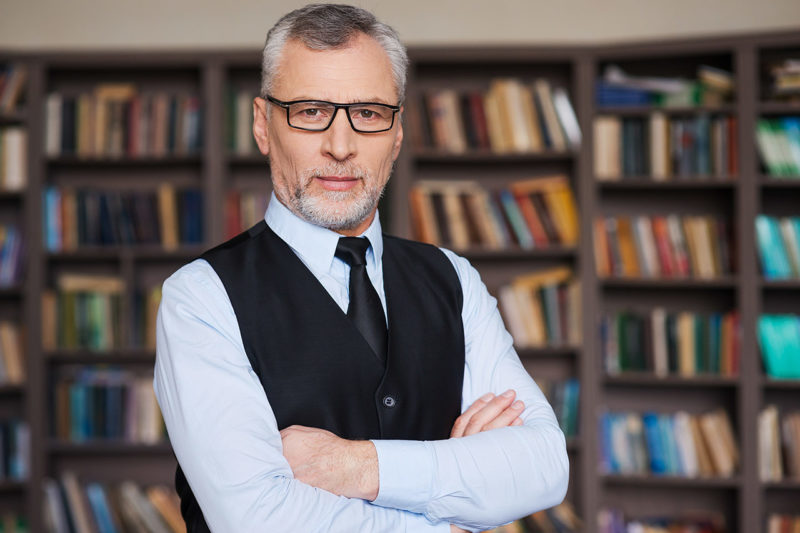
column 221, row 168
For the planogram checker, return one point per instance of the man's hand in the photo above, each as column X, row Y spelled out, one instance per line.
column 489, row 412
column 321, row 459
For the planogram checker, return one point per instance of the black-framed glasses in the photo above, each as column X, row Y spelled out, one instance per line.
column 318, row 115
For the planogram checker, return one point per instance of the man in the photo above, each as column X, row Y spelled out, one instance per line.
column 289, row 404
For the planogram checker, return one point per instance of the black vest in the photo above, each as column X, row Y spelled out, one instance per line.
column 316, row 368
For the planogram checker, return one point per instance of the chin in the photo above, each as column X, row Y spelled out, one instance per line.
column 336, row 210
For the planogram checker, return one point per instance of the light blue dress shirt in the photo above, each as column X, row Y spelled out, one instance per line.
column 226, row 439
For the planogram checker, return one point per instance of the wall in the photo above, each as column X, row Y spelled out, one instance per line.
column 114, row 24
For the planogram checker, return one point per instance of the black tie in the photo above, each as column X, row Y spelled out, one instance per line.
column 365, row 309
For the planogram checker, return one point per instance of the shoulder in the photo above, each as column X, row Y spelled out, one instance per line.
column 195, row 281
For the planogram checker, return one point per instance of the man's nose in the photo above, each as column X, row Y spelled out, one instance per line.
column 340, row 139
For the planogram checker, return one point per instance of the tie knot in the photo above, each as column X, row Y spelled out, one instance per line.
column 352, row 250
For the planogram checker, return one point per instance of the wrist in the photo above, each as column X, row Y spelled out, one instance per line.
column 365, row 470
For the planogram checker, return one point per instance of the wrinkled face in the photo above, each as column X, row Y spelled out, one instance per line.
column 332, row 178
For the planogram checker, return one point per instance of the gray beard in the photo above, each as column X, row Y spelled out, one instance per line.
column 347, row 214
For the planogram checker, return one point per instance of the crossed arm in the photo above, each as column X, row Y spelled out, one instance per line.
column 350, row 468
column 247, row 476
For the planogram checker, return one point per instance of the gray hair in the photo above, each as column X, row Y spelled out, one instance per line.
column 328, row 27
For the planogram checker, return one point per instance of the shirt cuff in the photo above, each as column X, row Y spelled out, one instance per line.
column 405, row 470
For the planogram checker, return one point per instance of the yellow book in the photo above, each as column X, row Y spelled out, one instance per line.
column 535, row 280
column 168, row 216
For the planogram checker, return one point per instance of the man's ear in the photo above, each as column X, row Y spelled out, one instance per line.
column 260, row 125
column 398, row 140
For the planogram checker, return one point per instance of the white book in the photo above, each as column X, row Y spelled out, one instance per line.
column 659, row 146
column 55, row 516
column 685, row 444
column 15, row 150
column 566, row 115
column 513, row 317
column 658, row 319
column 648, row 244
column 52, row 145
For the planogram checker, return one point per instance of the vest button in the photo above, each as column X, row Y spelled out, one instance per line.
column 388, row 401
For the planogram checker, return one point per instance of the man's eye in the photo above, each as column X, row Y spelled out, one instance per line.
column 311, row 112
column 366, row 113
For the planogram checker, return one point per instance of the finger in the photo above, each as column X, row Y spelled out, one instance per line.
column 489, row 412
column 506, row 417
column 462, row 421
column 517, row 422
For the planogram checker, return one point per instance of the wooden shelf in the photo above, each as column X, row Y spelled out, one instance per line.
column 149, row 252
column 726, row 282
column 671, row 481
column 646, row 183
column 780, row 384
column 778, row 108
column 783, row 284
column 8, row 389
column 643, row 110
column 255, row 159
column 109, row 357
column 123, row 161
column 13, row 118
column 515, row 254
column 12, row 486
column 11, row 291
column 786, row 484
column 547, row 352
column 107, row 447
column 650, row 380
column 484, row 156
column 772, row 182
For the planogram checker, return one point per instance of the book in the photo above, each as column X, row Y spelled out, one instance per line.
column 779, row 341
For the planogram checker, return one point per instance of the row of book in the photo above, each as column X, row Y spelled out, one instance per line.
column 663, row 246
column 786, row 79
column 15, row 446
column 117, row 120
column 84, row 311
column 12, row 358
column 13, row 77
column 779, row 340
column 243, row 209
column 712, row 86
column 614, row 521
column 90, row 217
column 679, row 444
column 529, row 214
column 783, row 523
column 239, row 121
column 559, row 519
column 13, row 158
column 72, row 506
column 778, row 246
column 564, row 397
column 778, row 142
column 106, row 403
column 663, row 148
column 778, row 444
column 665, row 343
column 11, row 255
column 542, row 308
column 510, row 117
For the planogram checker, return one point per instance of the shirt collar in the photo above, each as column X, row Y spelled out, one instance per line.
column 314, row 244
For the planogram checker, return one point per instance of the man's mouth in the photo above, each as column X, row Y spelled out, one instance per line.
column 336, row 183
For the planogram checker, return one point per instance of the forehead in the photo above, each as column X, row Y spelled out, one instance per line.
column 358, row 72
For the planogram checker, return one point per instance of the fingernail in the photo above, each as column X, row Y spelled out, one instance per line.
column 516, row 405
column 509, row 393
column 486, row 397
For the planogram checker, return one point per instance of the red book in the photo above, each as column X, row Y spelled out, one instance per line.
column 233, row 215
column 532, row 220
column 478, row 116
column 665, row 257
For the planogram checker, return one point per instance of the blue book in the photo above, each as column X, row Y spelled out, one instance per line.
column 655, row 447
column 99, row 504
column 77, row 409
column 608, row 462
column 779, row 337
column 516, row 219
column 667, row 429
column 774, row 260
column 52, row 219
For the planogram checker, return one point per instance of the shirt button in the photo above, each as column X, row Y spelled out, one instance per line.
column 388, row 401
